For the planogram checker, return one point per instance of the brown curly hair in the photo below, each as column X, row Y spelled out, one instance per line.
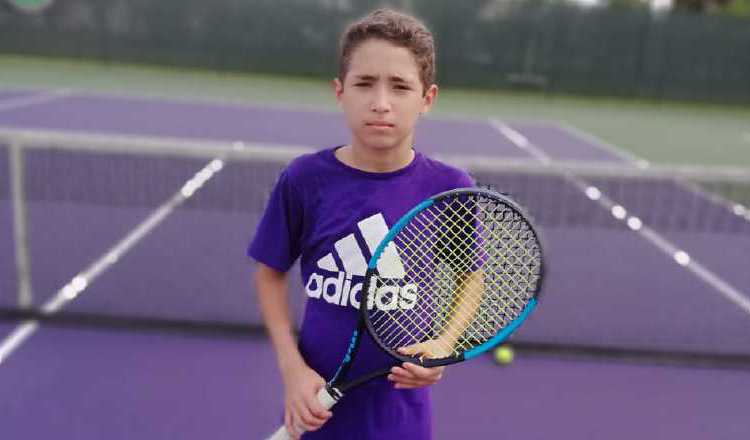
column 396, row 28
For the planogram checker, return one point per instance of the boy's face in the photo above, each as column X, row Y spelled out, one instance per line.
column 382, row 95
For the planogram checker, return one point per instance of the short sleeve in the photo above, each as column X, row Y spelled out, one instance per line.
column 465, row 181
column 277, row 240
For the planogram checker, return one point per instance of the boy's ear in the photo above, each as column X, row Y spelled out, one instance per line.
column 429, row 98
column 338, row 88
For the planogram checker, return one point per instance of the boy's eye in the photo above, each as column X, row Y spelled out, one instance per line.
column 402, row 87
column 361, row 84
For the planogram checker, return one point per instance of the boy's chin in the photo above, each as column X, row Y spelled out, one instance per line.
column 383, row 145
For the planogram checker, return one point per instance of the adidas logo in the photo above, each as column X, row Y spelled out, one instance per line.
column 342, row 291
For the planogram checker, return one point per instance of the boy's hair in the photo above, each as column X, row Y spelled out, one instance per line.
column 396, row 28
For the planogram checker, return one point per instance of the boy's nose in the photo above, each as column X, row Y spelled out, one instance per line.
column 380, row 102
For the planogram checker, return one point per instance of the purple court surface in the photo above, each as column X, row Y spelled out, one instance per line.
column 10, row 95
column 74, row 383
column 86, row 385
column 7, row 265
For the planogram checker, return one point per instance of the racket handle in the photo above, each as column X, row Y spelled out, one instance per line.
column 326, row 396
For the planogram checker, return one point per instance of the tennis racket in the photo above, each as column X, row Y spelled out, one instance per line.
column 452, row 278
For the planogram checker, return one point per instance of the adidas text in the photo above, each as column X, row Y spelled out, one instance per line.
column 342, row 292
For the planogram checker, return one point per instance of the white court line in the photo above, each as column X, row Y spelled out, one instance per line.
column 603, row 145
column 521, row 141
column 16, row 338
column 642, row 163
column 727, row 290
column 699, row 270
column 83, row 280
column 27, row 101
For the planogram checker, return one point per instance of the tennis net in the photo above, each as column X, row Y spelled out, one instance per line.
column 152, row 232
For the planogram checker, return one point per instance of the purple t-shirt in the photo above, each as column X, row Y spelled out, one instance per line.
column 332, row 217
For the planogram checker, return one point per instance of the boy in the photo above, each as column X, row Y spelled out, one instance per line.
column 320, row 210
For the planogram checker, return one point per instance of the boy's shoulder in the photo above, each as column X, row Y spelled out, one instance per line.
column 307, row 166
column 449, row 173
column 305, row 171
column 441, row 166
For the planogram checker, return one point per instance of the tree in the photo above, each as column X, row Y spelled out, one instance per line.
column 738, row 8
column 700, row 5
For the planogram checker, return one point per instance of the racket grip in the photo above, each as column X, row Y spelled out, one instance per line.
column 326, row 396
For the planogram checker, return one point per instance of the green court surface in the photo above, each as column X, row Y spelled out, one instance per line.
column 662, row 132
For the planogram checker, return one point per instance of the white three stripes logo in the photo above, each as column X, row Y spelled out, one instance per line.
column 373, row 230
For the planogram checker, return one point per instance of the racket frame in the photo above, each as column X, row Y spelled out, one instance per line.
column 339, row 386
column 335, row 388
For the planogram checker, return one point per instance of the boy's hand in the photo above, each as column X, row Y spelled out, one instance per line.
column 411, row 375
column 414, row 376
column 302, row 411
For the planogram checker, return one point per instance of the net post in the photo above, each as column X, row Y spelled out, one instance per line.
column 20, row 223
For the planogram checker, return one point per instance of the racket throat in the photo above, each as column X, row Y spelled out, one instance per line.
column 328, row 396
column 342, row 388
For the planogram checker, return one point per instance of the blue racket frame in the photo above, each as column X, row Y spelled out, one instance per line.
column 336, row 386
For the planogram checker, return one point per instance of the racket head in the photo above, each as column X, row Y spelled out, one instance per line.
column 456, row 274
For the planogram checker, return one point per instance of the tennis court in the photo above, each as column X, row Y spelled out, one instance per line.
column 645, row 267
column 90, row 384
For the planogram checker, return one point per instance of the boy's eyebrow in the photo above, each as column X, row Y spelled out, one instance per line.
column 392, row 78
column 398, row 79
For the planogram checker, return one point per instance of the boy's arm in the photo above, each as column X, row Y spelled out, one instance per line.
column 302, row 411
column 271, row 286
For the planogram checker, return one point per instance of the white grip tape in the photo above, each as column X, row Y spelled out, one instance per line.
column 280, row 434
column 324, row 397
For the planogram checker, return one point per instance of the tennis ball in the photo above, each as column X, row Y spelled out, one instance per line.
column 503, row 355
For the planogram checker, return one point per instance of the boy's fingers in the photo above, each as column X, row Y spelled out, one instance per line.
column 407, row 381
column 288, row 423
column 309, row 420
column 401, row 386
column 400, row 371
column 404, row 379
column 317, row 410
column 411, row 350
column 302, row 416
column 293, row 429
column 418, row 370
column 400, row 374
column 434, row 373
column 412, row 383
column 308, row 416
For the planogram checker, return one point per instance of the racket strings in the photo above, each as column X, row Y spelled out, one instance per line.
column 466, row 287
column 421, row 279
column 492, row 251
column 422, row 321
column 489, row 322
column 398, row 339
column 489, row 231
column 393, row 338
column 475, row 264
column 427, row 327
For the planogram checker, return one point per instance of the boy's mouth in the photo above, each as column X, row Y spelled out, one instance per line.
column 379, row 124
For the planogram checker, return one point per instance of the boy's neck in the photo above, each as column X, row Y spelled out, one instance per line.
column 375, row 161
